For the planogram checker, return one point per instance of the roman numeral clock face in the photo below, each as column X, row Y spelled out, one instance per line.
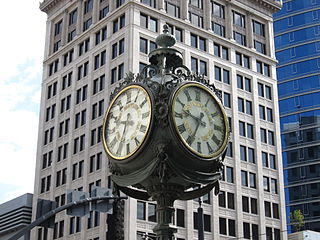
column 127, row 122
column 199, row 120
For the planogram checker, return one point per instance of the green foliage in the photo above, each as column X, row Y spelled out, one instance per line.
column 297, row 220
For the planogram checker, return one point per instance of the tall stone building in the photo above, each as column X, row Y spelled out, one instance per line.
column 91, row 44
column 297, row 41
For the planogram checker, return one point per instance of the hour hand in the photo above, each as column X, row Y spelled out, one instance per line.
column 202, row 123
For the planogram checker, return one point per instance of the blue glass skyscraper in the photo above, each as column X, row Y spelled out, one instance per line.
column 297, row 42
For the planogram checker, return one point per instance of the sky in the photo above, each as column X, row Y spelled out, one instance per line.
column 22, row 27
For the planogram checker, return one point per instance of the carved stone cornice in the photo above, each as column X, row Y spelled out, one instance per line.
column 46, row 5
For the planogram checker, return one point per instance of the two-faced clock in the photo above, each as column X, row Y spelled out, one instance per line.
column 199, row 120
column 127, row 122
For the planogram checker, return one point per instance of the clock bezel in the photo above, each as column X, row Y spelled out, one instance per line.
column 149, row 126
column 175, row 128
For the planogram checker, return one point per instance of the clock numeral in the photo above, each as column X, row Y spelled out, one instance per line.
column 143, row 128
column 199, row 147
column 218, row 128
column 119, row 150
column 113, row 143
column 145, row 115
column 143, row 103
column 128, row 148
column 135, row 100
column 119, row 103
column 136, row 141
column 178, row 115
column 198, row 98
column 190, row 140
column 215, row 139
column 213, row 115
column 181, row 128
column 186, row 92
column 179, row 101
column 209, row 148
column 128, row 93
column 207, row 102
column 111, row 131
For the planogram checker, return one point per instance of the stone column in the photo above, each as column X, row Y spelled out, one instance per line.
column 184, row 10
column 160, row 5
column 269, row 36
column 249, row 31
column 64, row 28
column 95, row 12
column 80, row 16
column 229, row 22
column 207, row 14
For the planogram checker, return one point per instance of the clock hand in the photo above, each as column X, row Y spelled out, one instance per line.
column 125, row 127
column 202, row 123
column 198, row 124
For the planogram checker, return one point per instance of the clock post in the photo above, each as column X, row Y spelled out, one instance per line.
column 165, row 133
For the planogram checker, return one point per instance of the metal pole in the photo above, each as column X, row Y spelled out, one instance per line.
column 200, row 221
column 50, row 214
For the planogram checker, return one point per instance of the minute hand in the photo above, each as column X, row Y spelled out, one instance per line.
column 202, row 123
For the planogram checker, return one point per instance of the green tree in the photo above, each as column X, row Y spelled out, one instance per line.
column 297, row 220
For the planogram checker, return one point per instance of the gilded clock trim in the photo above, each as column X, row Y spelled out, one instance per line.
column 148, row 125
column 221, row 149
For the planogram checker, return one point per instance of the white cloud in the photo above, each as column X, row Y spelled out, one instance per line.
column 21, row 47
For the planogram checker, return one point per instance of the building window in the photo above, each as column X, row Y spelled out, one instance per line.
column 177, row 32
column 68, row 57
column 80, row 118
column 198, row 42
column 53, row 67
column 149, row 22
column 217, row 10
column 52, row 90
column 81, row 94
column 239, row 38
column 73, row 17
column 141, row 210
column 196, row 3
column 199, row 66
column 242, row 60
column 243, row 83
column 258, row 28
column 226, row 100
column 87, row 24
column 263, row 68
column 151, row 3
column 196, row 19
column 103, row 12
column 221, row 51
column 101, row 35
column 98, row 84
column 88, row 6
column 172, row 9
column 238, row 19
column 119, row 23
column 218, row 29
column 58, row 28
column 84, row 46
column 119, row 3
column 117, row 73
column 180, row 217
column 147, row 46
column 260, row 47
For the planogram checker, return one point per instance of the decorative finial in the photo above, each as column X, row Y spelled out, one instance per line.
column 165, row 40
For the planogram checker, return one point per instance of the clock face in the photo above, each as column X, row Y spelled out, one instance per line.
column 127, row 122
column 199, row 120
